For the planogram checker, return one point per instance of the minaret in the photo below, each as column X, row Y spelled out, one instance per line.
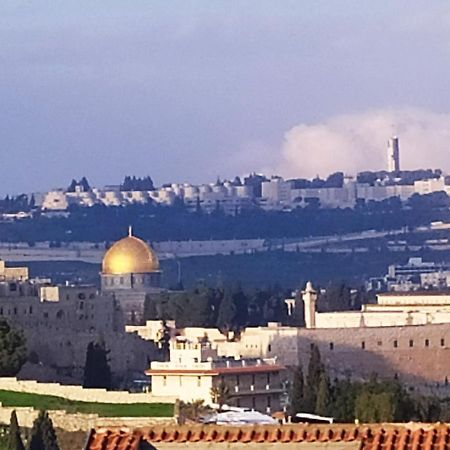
column 309, row 296
column 393, row 154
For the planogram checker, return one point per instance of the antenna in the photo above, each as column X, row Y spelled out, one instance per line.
column 130, row 230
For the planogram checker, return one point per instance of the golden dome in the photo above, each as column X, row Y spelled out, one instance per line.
column 130, row 255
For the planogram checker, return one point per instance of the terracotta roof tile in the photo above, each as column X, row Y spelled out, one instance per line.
column 374, row 437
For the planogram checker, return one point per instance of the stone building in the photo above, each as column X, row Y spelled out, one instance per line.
column 60, row 321
column 404, row 336
column 130, row 272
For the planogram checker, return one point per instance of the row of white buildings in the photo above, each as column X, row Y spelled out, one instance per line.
column 276, row 194
column 282, row 194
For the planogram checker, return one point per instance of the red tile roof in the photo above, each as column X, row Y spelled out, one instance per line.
column 374, row 437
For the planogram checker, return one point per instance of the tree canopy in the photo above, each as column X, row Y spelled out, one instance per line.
column 97, row 373
column 13, row 353
column 43, row 436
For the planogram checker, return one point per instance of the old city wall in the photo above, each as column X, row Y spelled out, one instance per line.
column 416, row 354
column 76, row 422
column 78, row 393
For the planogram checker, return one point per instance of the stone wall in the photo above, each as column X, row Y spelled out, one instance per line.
column 418, row 355
column 77, row 422
column 78, row 393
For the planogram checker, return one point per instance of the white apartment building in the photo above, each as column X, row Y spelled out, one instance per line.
column 195, row 369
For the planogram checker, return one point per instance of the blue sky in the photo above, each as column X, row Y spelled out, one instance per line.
column 188, row 90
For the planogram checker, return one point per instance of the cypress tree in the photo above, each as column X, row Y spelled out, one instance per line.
column 97, row 373
column 323, row 397
column 226, row 316
column 14, row 439
column 103, row 370
column 89, row 366
column 164, row 341
column 297, row 393
column 315, row 370
column 43, row 436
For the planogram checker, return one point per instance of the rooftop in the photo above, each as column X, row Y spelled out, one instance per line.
column 373, row 437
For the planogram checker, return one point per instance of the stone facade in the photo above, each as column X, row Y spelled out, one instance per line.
column 78, row 422
column 418, row 355
column 60, row 321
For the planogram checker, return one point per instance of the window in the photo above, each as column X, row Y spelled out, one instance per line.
column 268, row 401
column 395, row 344
column 427, row 342
column 121, row 280
column 15, row 310
column 253, row 379
column 253, row 402
column 12, row 287
column 269, row 348
column 81, row 305
column 363, row 345
column 237, row 380
column 81, row 296
column 411, row 343
column 379, row 343
column 268, row 378
column 30, row 310
column 331, row 346
column 164, row 380
column 442, row 342
column 1, row 311
column 199, row 381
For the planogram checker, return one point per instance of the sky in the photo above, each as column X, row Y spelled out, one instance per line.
column 185, row 91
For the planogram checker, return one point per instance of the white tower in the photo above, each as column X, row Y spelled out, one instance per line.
column 309, row 296
column 393, row 154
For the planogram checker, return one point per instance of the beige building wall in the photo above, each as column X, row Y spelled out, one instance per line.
column 186, row 387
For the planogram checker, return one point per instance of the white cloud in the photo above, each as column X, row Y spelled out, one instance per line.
column 357, row 142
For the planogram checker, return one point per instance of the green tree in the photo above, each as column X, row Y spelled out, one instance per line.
column 221, row 394
column 226, row 318
column 297, row 392
column 13, row 353
column 323, row 398
column 43, row 436
column 315, row 370
column 383, row 401
column 97, row 373
column 344, row 395
column 164, row 340
column 14, row 439
column 193, row 410
column 374, row 407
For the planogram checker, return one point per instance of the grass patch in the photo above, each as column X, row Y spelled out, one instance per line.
column 48, row 402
